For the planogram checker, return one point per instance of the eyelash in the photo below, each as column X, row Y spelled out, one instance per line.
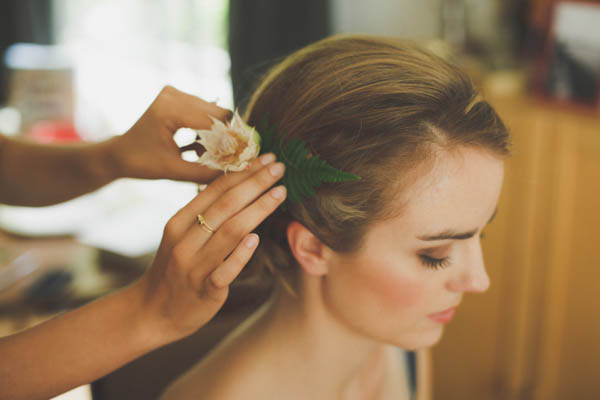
column 434, row 263
column 439, row 263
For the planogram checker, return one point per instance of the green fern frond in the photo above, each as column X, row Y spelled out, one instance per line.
column 304, row 172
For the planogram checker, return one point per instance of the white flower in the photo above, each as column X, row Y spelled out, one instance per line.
column 230, row 146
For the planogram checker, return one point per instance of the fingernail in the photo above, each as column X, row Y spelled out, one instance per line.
column 278, row 192
column 251, row 241
column 267, row 158
column 276, row 169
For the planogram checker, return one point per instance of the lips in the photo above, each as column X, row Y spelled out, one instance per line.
column 443, row 317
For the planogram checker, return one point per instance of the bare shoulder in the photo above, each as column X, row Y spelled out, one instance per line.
column 235, row 369
column 226, row 373
column 424, row 375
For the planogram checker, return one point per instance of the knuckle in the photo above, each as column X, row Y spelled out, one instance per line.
column 171, row 230
column 212, row 192
column 267, row 202
column 224, row 114
column 167, row 90
column 231, row 229
column 227, row 204
column 179, row 258
column 264, row 178
column 218, row 296
column 216, row 187
column 165, row 103
column 217, row 279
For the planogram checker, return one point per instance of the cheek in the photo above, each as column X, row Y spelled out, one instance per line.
column 394, row 292
column 385, row 298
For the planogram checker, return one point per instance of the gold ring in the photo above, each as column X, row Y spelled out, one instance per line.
column 204, row 225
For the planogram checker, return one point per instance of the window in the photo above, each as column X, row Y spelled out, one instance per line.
column 124, row 51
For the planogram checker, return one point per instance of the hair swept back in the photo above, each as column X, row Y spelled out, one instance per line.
column 376, row 107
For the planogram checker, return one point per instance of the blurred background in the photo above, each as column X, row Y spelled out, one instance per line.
column 82, row 70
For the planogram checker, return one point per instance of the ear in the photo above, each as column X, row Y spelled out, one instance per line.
column 310, row 252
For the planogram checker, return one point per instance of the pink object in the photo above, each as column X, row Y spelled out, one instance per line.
column 54, row 132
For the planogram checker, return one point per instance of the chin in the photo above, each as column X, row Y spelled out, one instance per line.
column 419, row 340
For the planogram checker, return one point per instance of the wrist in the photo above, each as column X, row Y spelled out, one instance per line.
column 149, row 328
column 112, row 158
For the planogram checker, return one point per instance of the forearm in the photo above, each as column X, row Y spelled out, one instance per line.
column 38, row 175
column 76, row 347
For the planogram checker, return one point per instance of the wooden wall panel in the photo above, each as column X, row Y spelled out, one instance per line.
column 553, row 269
column 579, row 363
column 527, row 183
column 536, row 333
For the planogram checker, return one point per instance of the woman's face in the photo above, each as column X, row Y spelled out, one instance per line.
column 402, row 286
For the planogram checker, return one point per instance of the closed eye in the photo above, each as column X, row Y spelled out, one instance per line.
column 434, row 263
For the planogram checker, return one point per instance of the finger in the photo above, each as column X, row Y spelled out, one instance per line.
column 186, row 217
column 192, row 112
column 230, row 234
column 232, row 202
column 221, row 185
column 239, row 196
column 192, row 171
column 225, row 273
column 196, row 147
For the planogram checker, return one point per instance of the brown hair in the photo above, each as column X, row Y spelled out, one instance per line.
column 376, row 107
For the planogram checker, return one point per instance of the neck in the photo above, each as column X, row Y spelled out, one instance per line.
column 309, row 332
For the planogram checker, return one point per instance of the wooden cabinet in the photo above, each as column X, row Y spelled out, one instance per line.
column 536, row 333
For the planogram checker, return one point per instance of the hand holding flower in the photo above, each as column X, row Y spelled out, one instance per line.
column 148, row 150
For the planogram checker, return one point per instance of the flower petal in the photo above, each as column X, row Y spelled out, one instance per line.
column 229, row 147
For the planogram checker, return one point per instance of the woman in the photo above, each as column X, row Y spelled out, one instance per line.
column 367, row 269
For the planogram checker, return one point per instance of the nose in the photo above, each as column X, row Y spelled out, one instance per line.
column 470, row 275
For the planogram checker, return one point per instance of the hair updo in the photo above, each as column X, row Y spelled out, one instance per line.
column 379, row 108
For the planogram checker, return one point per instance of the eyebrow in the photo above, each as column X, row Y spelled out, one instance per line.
column 450, row 234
